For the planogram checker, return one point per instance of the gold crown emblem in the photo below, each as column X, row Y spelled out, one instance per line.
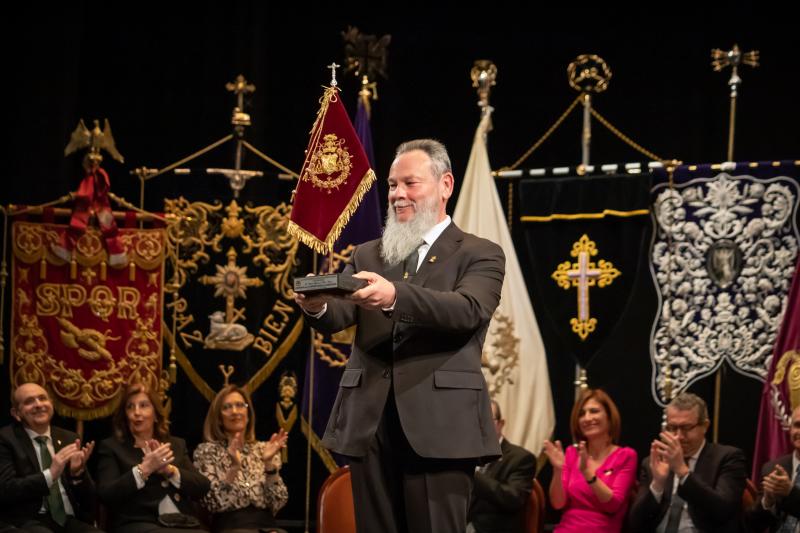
column 329, row 158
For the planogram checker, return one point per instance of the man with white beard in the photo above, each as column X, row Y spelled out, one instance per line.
column 412, row 414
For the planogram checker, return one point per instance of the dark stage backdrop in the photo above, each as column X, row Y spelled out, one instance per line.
column 157, row 71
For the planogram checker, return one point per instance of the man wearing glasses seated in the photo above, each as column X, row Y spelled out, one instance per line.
column 687, row 483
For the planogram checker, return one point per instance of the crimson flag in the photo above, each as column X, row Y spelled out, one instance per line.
column 781, row 393
column 335, row 177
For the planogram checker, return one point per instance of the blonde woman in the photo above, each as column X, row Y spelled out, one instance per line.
column 246, row 487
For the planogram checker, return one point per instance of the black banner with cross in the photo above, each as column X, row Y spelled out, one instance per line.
column 586, row 240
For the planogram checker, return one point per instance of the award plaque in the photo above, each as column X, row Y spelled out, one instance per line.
column 336, row 284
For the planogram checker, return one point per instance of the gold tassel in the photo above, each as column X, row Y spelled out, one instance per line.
column 103, row 267
column 173, row 371
column 132, row 271
column 73, row 269
column 43, row 268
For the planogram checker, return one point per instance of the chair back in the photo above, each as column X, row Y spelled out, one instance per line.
column 534, row 513
column 750, row 495
column 335, row 511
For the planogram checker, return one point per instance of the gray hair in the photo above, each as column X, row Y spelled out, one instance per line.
column 440, row 161
column 687, row 401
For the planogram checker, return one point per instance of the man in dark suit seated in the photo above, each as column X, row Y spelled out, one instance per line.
column 778, row 504
column 44, row 485
column 687, row 483
column 503, row 487
column 412, row 414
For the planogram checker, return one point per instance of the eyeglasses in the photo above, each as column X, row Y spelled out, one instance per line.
column 229, row 406
column 685, row 428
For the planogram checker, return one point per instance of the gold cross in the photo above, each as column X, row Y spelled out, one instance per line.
column 88, row 274
column 584, row 274
column 231, row 281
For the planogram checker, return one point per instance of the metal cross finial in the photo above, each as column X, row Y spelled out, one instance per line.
column 733, row 58
column 333, row 66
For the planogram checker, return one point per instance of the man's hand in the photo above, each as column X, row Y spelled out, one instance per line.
column 777, row 484
column 62, row 457
column 659, row 467
column 77, row 463
column 313, row 304
column 379, row 294
column 670, row 449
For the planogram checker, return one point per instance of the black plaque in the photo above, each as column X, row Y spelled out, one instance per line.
column 336, row 284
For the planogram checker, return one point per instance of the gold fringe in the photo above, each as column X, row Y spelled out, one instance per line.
column 69, row 411
column 583, row 216
column 132, row 271
column 73, row 269
column 103, row 270
column 326, row 246
column 316, row 443
column 43, row 268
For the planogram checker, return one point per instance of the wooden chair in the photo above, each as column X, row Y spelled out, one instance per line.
column 534, row 514
column 750, row 495
column 335, row 511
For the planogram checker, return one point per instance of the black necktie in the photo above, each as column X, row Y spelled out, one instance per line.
column 675, row 510
column 410, row 264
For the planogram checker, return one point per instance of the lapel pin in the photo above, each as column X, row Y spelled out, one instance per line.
column 432, row 259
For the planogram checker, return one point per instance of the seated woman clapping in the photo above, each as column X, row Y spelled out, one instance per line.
column 246, row 486
column 144, row 476
column 593, row 478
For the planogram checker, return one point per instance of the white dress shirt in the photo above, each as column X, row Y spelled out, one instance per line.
column 48, row 477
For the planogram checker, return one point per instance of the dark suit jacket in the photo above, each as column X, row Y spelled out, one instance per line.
column 501, row 492
column 758, row 518
column 713, row 492
column 22, row 483
column 428, row 350
column 117, row 486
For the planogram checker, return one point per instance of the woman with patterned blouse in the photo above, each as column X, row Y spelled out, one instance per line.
column 246, row 487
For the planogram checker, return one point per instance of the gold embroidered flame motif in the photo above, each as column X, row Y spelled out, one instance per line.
column 330, row 157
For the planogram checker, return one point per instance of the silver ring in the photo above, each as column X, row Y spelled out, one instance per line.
column 164, row 460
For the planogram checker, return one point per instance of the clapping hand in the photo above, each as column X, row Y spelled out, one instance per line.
column 235, row 447
column 276, row 442
column 63, row 457
column 77, row 463
column 777, row 484
column 669, row 447
column 157, row 457
column 659, row 467
column 583, row 457
column 555, row 453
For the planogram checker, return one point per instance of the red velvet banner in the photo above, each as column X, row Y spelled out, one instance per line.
column 781, row 393
column 335, row 177
column 85, row 329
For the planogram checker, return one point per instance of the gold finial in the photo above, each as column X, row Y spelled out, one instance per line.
column 589, row 73
column 369, row 91
column 582, row 382
column 484, row 77
column 240, row 87
column 333, row 66
column 226, row 373
column 96, row 140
